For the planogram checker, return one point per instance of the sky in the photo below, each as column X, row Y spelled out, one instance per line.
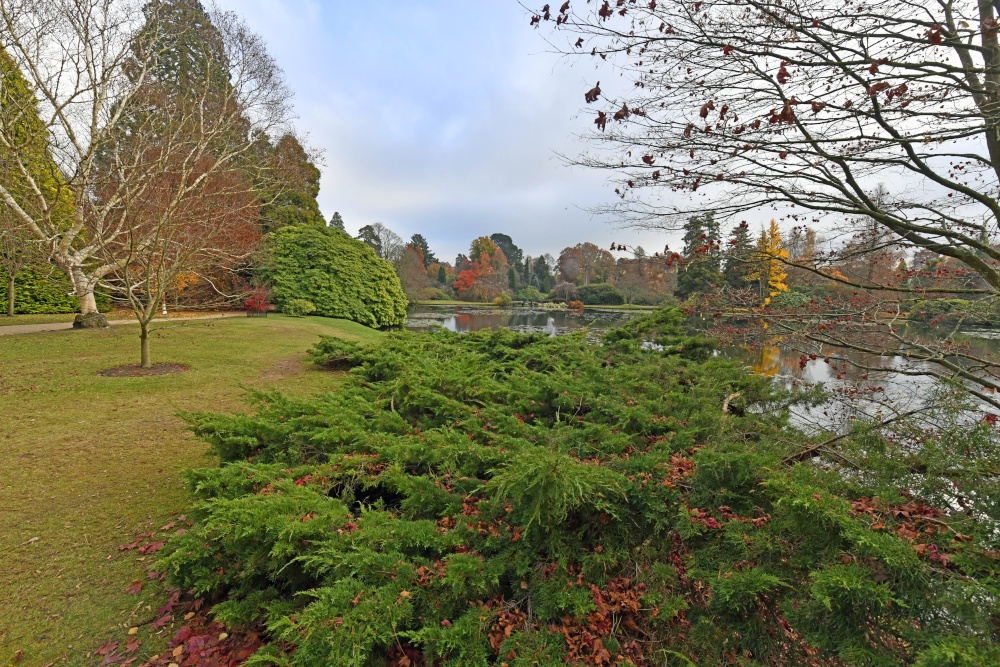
column 441, row 117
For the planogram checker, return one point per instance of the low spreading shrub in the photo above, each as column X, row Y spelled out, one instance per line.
column 791, row 299
column 504, row 499
column 299, row 308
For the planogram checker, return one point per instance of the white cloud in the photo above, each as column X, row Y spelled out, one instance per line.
column 440, row 117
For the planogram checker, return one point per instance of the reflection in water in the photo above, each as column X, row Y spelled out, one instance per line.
column 768, row 361
column 553, row 322
column 854, row 392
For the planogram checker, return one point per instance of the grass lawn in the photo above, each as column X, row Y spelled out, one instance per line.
column 35, row 319
column 89, row 462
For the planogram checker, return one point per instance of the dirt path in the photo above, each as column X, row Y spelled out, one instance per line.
column 14, row 329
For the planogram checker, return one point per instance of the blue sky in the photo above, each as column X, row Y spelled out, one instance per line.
column 440, row 117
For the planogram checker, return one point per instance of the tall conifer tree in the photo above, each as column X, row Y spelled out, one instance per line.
column 738, row 255
column 702, row 268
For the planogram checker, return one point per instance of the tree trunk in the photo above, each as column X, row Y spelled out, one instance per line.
column 83, row 289
column 10, row 295
column 144, row 344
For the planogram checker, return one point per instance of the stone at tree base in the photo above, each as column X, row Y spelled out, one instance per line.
column 90, row 321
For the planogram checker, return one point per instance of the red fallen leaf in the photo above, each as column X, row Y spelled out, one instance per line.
column 162, row 621
column 132, row 646
column 309, row 517
column 168, row 526
column 107, row 648
column 181, row 531
column 151, row 548
column 129, row 661
column 19, row 656
column 134, row 587
column 182, row 635
column 131, row 545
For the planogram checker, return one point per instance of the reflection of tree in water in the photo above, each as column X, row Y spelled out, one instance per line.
column 767, row 361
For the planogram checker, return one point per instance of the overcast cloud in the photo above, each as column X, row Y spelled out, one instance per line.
column 440, row 117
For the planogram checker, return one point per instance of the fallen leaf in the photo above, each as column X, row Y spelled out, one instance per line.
column 133, row 631
column 134, row 588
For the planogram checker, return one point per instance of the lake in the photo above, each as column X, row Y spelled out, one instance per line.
column 463, row 319
column 853, row 393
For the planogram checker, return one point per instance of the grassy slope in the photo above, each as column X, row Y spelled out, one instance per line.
column 89, row 462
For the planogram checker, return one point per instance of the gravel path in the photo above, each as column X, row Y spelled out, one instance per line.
column 15, row 329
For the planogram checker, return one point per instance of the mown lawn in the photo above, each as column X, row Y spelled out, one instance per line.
column 6, row 320
column 89, row 462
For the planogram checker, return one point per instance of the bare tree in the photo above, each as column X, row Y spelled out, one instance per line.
column 386, row 243
column 804, row 107
column 102, row 72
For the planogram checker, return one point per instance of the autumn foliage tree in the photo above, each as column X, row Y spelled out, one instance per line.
column 153, row 113
column 485, row 276
column 769, row 270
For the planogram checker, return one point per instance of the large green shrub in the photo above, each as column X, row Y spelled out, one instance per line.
column 42, row 291
column 600, row 294
column 341, row 276
column 495, row 498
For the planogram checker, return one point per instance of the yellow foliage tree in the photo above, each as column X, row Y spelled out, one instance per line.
column 769, row 270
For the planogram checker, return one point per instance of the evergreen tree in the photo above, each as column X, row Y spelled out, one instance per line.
column 188, row 49
column 514, row 255
column 293, row 200
column 739, row 255
column 541, row 275
column 336, row 221
column 701, row 271
column 442, row 275
column 29, row 175
column 419, row 241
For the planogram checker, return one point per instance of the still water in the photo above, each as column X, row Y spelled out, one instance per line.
column 525, row 320
column 853, row 392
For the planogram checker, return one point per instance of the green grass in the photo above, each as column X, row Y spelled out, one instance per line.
column 89, row 462
column 34, row 319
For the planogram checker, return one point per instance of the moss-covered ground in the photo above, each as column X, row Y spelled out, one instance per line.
column 89, row 462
